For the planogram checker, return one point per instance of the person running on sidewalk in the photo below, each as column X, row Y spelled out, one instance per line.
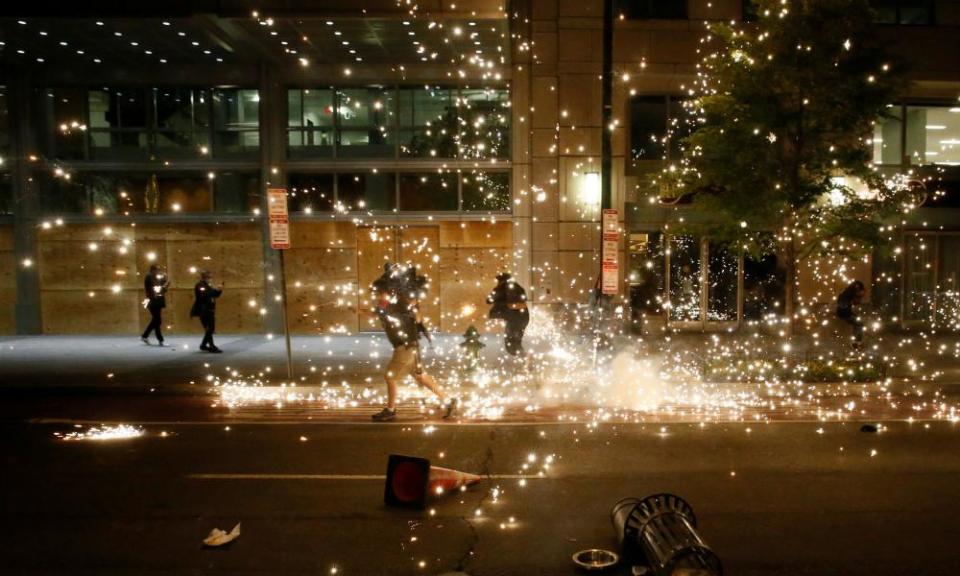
column 155, row 286
column 509, row 303
column 397, row 292
column 205, row 308
column 851, row 296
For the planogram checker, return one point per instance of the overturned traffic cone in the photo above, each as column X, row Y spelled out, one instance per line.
column 411, row 480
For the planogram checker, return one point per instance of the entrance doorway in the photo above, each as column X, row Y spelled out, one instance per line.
column 698, row 284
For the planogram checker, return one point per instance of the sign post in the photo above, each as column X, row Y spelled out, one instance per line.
column 279, row 220
column 610, row 262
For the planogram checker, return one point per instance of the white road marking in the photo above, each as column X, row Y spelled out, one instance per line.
column 336, row 477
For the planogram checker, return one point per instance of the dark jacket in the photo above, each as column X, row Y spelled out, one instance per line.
column 847, row 299
column 205, row 299
column 400, row 323
column 156, row 290
column 507, row 297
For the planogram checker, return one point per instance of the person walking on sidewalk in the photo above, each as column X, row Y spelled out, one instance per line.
column 397, row 292
column 155, row 286
column 205, row 308
column 509, row 303
column 851, row 296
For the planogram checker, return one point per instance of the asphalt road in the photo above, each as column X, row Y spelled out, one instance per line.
column 777, row 498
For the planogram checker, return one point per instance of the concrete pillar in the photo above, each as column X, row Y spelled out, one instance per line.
column 26, row 207
column 521, row 153
column 273, row 124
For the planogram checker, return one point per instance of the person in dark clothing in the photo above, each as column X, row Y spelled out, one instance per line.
column 155, row 286
column 205, row 308
column 509, row 303
column 397, row 293
column 851, row 296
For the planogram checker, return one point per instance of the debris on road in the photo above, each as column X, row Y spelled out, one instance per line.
column 218, row 537
column 869, row 428
column 411, row 480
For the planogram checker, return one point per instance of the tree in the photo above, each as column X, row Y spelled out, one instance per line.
column 780, row 122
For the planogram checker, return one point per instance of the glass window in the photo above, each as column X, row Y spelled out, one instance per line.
column 648, row 125
column 4, row 123
column 887, row 147
column 310, row 122
column 763, row 287
column 236, row 191
column 920, row 289
column 182, row 121
column 933, row 135
column 485, row 123
column 684, row 278
column 486, row 191
column 65, row 126
column 367, row 191
column 118, row 124
column 645, row 272
column 651, row 118
column 652, row 9
column 906, row 12
column 6, row 193
column 310, row 192
column 125, row 193
column 366, row 118
column 428, row 122
column 428, row 192
column 721, row 283
column 236, row 114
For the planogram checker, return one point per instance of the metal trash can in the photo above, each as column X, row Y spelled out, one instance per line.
column 661, row 529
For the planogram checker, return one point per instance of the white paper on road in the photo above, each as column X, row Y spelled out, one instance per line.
column 218, row 537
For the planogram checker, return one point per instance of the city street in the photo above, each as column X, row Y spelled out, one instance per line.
column 781, row 498
column 775, row 491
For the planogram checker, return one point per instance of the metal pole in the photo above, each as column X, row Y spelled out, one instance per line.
column 607, row 88
column 286, row 323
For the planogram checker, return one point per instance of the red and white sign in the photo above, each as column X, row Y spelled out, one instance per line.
column 279, row 218
column 610, row 266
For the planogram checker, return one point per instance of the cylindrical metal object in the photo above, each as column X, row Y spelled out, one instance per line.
column 662, row 530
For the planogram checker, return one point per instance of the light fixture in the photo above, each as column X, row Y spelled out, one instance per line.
column 590, row 192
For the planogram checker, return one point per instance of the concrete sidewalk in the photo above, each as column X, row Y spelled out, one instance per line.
column 115, row 363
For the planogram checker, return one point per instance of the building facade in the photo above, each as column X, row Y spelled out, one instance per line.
column 465, row 139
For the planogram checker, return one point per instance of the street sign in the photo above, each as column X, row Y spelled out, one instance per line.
column 279, row 218
column 610, row 262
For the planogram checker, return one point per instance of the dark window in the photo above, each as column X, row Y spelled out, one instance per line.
column 310, row 192
column 118, row 124
column 182, row 122
column 652, row 9
column 484, row 124
column 428, row 192
column 658, row 125
column 486, row 191
column 365, row 122
column 367, row 191
column 905, row 12
column 236, row 114
column 6, row 193
column 750, row 12
column 310, row 122
column 148, row 193
column 428, row 122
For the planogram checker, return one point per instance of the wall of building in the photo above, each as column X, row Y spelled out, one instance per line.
column 100, row 291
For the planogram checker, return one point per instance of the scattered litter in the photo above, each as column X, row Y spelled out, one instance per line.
column 218, row 537
column 595, row 559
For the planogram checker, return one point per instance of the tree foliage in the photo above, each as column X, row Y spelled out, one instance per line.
column 781, row 118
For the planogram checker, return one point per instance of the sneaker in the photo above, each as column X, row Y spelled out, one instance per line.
column 145, row 340
column 215, row 350
column 385, row 415
column 160, row 343
column 450, row 409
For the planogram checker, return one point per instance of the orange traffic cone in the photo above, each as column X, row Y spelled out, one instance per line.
column 411, row 480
